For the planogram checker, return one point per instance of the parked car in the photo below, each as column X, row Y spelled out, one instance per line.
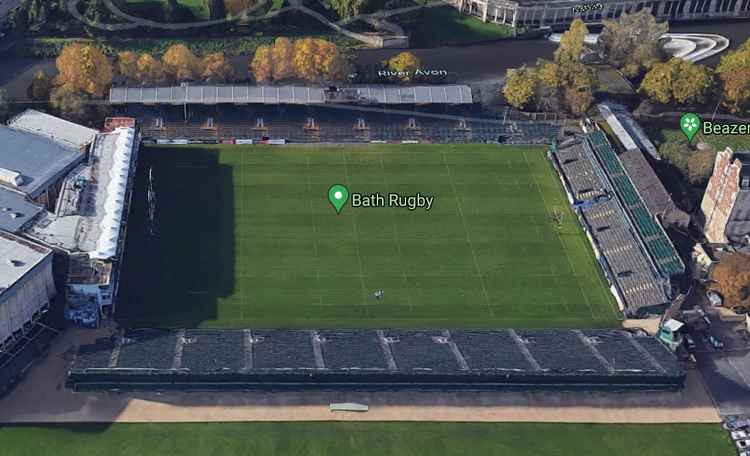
column 716, row 343
column 739, row 435
column 743, row 444
column 689, row 342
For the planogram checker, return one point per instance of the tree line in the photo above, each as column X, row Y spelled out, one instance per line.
column 633, row 45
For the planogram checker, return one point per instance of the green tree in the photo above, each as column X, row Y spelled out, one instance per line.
column 678, row 81
column 700, row 165
column 4, row 105
column 70, row 104
column 40, row 87
column 632, row 42
column 521, row 87
column 347, row 8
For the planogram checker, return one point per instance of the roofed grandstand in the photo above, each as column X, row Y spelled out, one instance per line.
column 329, row 124
column 197, row 359
column 636, row 281
column 306, row 95
column 658, row 244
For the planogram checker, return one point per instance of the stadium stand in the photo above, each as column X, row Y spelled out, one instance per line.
column 153, row 359
column 658, row 244
column 636, row 282
column 332, row 125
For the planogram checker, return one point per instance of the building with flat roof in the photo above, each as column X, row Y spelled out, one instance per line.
column 26, row 285
column 726, row 204
column 33, row 164
column 558, row 14
column 16, row 211
column 59, row 130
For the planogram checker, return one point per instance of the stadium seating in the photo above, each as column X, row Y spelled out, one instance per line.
column 625, row 261
column 231, row 359
column 661, row 250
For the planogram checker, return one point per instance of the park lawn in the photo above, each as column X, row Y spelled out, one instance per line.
column 444, row 25
column 245, row 237
column 198, row 8
column 720, row 142
column 366, row 439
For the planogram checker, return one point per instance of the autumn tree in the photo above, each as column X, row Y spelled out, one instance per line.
column 572, row 43
column 405, row 64
column 732, row 278
column 150, row 70
column 216, row 69
column 317, row 60
column 282, row 55
column 40, row 87
column 521, row 87
column 83, row 68
column 566, row 78
column 678, row 81
column 69, row 103
column 262, row 64
column 180, row 63
column 632, row 43
column 127, row 65
column 734, row 75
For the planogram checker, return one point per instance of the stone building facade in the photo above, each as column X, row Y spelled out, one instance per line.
column 726, row 204
column 530, row 14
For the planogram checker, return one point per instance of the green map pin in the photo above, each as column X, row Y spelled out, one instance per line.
column 690, row 124
column 337, row 195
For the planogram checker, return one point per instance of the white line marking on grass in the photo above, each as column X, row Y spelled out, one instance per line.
column 562, row 244
column 242, row 218
column 356, row 239
column 395, row 233
column 468, row 238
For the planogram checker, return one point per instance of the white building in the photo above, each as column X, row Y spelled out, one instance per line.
column 560, row 13
column 89, row 221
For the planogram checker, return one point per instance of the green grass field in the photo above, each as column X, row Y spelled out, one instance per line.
column 367, row 439
column 444, row 25
column 198, row 8
column 246, row 238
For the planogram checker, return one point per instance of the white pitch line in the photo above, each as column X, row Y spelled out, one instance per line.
column 356, row 240
column 562, row 244
column 242, row 217
column 468, row 238
column 395, row 234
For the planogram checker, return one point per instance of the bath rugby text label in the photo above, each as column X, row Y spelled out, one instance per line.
column 712, row 128
column 411, row 202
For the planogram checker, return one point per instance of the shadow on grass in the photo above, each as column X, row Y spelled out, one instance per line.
column 175, row 275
